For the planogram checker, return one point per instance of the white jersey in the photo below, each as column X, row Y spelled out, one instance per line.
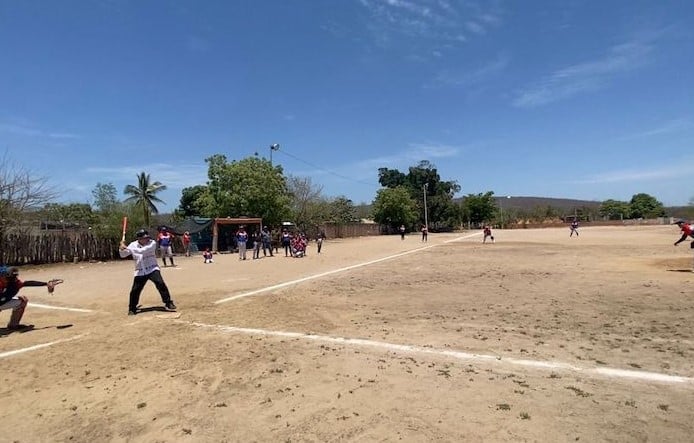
column 145, row 256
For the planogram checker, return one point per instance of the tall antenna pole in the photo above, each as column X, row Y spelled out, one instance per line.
column 273, row 147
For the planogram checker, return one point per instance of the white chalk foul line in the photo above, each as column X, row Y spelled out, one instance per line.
column 335, row 271
column 60, row 308
column 458, row 355
column 36, row 347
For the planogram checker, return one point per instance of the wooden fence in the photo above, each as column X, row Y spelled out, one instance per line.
column 333, row 230
column 21, row 249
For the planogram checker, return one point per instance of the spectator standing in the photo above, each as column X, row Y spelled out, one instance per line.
column 241, row 240
column 267, row 241
column 186, row 243
column 319, row 239
column 425, row 233
column 286, row 240
column 165, row 240
column 257, row 239
column 402, row 232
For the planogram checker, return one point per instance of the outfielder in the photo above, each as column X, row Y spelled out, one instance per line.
column 144, row 252
column 687, row 231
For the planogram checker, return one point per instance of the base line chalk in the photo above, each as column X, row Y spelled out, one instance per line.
column 459, row 355
column 335, row 271
column 36, row 347
column 60, row 308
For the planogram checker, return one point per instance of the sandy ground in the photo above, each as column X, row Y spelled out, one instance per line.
column 538, row 337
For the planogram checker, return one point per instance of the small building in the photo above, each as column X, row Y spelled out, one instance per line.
column 217, row 234
column 224, row 230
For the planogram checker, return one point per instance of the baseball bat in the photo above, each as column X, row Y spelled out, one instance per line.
column 125, row 227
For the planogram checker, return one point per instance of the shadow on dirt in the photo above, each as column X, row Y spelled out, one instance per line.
column 29, row 328
column 152, row 309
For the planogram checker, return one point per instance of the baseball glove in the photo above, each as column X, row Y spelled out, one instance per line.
column 51, row 284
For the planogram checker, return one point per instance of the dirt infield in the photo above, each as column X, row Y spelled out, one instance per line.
column 538, row 337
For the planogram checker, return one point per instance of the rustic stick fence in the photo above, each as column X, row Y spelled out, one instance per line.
column 22, row 249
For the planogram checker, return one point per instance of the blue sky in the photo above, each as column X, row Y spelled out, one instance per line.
column 571, row 99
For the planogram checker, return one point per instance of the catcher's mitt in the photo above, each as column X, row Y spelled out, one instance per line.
column 51, row 284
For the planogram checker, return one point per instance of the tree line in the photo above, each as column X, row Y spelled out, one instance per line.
column 254, row 187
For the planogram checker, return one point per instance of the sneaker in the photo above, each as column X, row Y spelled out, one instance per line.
column 132, row 312
column 170, row 306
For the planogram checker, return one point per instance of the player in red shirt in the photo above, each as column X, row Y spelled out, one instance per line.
column 687, row 231
column 487, row 233
column 186, row 243
column 10, row 284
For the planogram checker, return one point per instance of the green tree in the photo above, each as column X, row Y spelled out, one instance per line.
column 144, row 195
column 394, row 207
column 342, row 210
column 614, row 209
column 248, row 187
column 424, row 179
column 646, row 206
column 391, row 178
column 192, row 201
column 105, row 197
column 478, row 208
column 69, row 215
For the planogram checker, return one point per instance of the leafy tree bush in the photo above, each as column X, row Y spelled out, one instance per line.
column 645, row 206
column 394, row 207
column 478, row 208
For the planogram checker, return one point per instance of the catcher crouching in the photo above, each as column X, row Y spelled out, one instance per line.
column 10, row 284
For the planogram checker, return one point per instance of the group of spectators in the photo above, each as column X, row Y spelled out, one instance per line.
column 294, row 243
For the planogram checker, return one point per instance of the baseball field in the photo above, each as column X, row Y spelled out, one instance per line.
column 537, row 337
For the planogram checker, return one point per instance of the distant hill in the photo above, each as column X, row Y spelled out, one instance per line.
column 564, row 205
column 567, row 205
column 528, row 203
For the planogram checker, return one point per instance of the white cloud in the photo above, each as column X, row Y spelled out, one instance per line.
column 436, row 22
column 422, row 151
column 639, row 175
column 675, row 125
column 174, row 176
column 19, row 130
column 474, row 76
column 475, row 27
column 63, row 135
column 585, row 77
column 29, row 131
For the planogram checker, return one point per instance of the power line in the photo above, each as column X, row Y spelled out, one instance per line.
column 326, row 170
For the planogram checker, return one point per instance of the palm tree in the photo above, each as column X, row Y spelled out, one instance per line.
column 144, row 195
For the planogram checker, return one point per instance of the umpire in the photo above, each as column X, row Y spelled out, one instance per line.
column 144, row 252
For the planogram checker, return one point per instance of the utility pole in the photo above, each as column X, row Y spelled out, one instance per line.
column 426, row 215
column 273, row 147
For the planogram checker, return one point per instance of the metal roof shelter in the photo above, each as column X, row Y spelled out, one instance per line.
column 240, row 221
